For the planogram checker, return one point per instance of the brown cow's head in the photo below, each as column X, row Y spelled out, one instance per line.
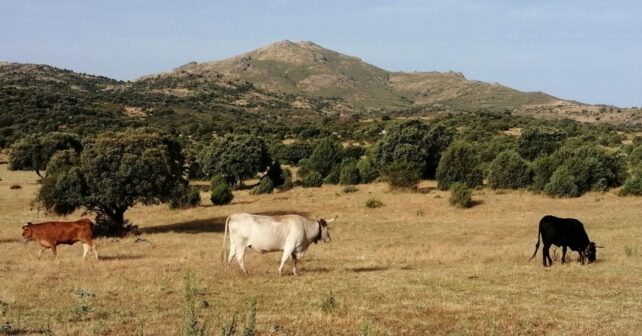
column 325, row 230
column 27, row 232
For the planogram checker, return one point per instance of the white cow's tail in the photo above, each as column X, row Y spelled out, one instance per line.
column 227, row 222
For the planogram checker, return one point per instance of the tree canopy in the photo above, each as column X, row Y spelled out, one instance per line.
column 114, row 171
column 236, row 157
column 34, row 152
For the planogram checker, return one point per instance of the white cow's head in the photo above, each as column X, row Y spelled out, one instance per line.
column 325, row 230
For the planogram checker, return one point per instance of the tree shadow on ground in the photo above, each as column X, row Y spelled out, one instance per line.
column 120, row 257
column 216, row 224
column 368, row 269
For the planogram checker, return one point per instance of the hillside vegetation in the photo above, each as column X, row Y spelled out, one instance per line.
column 275, row 90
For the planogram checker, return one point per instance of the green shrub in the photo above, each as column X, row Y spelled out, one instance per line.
column 536, row 141
column 509, row 171
column 287, row 180
column 543, row 168
column 373, row 203
column 325, row 156
column 367, row 170
column 221, row 191
column 266, row 186
column 354, row 152
column 460, row 195
column 295, row 152
column 633, row 185
column 312, row 180
column 238, row 158
column 333, row 177
column 349, row 173
column 459, row 163
column 186, row 197
column 562, row 184
column 275, row 173
column 635, row 158
column 401, row 174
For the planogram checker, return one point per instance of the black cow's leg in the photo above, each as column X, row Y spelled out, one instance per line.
column 563, row 254
column 546, row 255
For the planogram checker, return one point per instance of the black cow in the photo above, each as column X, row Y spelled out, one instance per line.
column 564, row 232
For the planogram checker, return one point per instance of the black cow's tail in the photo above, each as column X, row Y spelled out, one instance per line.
column 539, row 233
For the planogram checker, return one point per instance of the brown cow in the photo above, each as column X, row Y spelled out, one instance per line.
column 50, row 234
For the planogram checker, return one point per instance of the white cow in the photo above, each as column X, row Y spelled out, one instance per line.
column 291, row 234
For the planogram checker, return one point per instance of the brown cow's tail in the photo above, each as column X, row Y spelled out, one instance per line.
column 539, row 233
column 227, row 224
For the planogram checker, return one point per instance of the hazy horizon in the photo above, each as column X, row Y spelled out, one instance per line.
column 587, row 51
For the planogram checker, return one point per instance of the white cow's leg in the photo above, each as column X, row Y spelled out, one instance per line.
column 287, row 252
column 294, row 259
column 240, row 254
column 231, row 254
column 85, row 249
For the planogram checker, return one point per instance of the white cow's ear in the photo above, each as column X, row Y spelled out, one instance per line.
column 332, row 220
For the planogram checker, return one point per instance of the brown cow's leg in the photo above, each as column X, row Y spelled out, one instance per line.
column 42, row 249
column 53, row 249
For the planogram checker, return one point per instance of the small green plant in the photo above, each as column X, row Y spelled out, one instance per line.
column 329, row 303
column 15, row 187
column 191, row 326
column 350, row 189
column 373, row 203
column 366, row 329
column 629, row 251
column 250, row 323
column 229, row 329
column 6, row 329
column 83, row 293
column 460, row 195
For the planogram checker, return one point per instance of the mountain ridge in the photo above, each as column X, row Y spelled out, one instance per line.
column 307, row 68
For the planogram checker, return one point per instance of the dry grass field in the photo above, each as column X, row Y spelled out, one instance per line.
column 416, row 266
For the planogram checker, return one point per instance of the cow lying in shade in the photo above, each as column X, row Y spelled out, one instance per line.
column 51, row 234
column 564, row 232
column 291, row 234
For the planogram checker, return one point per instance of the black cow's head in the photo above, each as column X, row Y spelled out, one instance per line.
column 589, row 252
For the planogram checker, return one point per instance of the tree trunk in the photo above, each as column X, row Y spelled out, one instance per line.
column 111, row 222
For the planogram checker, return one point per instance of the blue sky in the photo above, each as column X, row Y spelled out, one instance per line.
column 587, row 50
